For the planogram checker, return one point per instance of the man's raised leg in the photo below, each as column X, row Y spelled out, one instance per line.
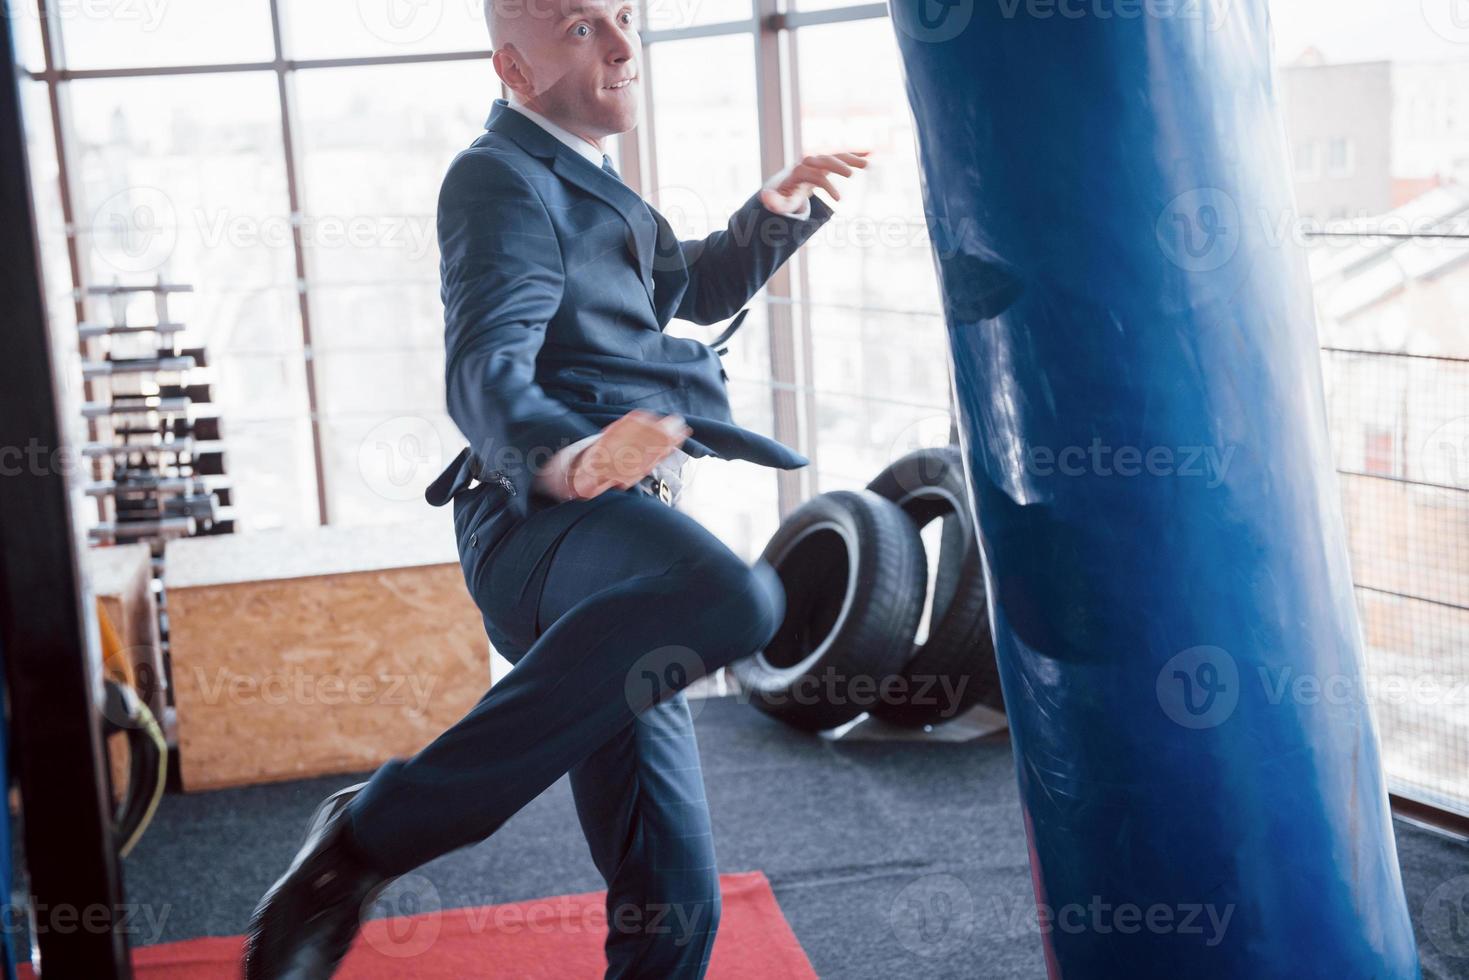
column 679, row 605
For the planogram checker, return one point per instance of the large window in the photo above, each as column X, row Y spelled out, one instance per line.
column 1376, row 100
column 878, row 356
column 186, row 180
column 367, row 28
column 375, row 142
column 705, row 163
column 295, row 190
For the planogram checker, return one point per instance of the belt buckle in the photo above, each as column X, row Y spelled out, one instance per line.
column 662, row 490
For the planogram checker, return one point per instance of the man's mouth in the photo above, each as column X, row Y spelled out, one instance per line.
column 622, row 84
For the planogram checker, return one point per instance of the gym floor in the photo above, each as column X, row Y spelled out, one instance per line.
column 850, row 834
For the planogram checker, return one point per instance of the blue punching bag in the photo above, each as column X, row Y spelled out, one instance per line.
column 1143, row 424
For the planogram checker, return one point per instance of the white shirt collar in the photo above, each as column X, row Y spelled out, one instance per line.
column 585, row 147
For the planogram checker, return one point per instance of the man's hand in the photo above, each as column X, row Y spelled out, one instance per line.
column 624, row 453
column 788, row 191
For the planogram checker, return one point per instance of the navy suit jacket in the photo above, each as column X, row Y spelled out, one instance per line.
column 557, row 281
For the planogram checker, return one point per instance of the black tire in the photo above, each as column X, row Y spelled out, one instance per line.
column 854, row 574
column 958, row 654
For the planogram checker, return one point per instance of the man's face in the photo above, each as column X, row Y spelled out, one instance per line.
column 580, row 59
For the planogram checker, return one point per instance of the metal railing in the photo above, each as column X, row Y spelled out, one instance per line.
column 1400, row 434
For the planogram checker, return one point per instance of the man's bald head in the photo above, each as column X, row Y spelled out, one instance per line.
column 496, row 21
column 507, row 19
column 574, row 61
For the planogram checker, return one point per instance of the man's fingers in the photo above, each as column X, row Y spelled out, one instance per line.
column 821, row 180
column 856, row 159
column 828, row 163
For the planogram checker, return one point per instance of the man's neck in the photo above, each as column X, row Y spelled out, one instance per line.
column 519, row 103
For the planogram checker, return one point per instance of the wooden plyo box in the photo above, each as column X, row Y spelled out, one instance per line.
column 316, row 652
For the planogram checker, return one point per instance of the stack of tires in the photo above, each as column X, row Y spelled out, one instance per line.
column 856, row 577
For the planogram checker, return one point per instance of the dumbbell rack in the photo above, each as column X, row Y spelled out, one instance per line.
column 157, row 462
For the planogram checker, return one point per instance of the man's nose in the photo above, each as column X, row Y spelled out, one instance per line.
column 624, row 47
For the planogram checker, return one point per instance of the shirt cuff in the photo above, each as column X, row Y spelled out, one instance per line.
column 551, row 480
column 800, row 215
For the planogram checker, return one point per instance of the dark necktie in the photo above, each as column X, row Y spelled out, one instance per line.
column 607, row 166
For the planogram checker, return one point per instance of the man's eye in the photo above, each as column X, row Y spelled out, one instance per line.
column 627, row 18
column 581, row 30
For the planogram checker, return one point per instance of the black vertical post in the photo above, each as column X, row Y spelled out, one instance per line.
column 52, row 671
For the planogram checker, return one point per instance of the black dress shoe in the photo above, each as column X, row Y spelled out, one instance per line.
column 305, row 923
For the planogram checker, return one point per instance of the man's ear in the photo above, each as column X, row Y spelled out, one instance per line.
column 513, row 70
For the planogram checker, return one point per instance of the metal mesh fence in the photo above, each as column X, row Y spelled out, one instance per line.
column 1400, row 434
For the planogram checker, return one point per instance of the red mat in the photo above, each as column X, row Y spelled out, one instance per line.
column 553, row 938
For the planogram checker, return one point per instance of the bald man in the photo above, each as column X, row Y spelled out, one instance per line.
column 582, row 414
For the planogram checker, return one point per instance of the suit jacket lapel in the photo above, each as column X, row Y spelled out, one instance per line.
column 579, row 172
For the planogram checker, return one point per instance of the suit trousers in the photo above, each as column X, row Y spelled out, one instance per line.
column 608, row 608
